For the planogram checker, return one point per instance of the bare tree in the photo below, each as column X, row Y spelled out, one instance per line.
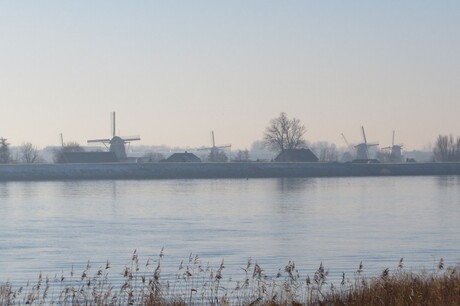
column 328, row 153
column 153, row 157
column 242, row 156
column 383, row 156
column 217, row 156
column 59, row 156
column 441, row 151
column 258, row 145
column 284, row 133
column 5, row 156
column 447, row 149
column 28, row 153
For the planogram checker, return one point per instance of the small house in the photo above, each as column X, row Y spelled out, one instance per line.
column 89, row 157
column 296, row 155
column 183, row 158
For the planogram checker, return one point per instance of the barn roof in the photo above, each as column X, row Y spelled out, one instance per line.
column 183, row 158
column 296, row 155
column 89, row 157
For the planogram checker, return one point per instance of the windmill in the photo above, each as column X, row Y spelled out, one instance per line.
column 395, row 153
column 61, row 137
column 116, row 144
column 347, row 156
column 214, row 150
column 362, row 149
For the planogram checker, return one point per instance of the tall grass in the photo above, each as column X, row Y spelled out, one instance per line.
column 195, row 283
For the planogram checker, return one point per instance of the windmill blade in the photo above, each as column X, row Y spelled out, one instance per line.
column 372, row 144
column 131, row 138
column 346, row 141
column 212, row 139
column 364, row 135
column 393, row 139
column 112, row 125
column 203, row 149
column 223, row 146
column 387, row 148
column 98, row 140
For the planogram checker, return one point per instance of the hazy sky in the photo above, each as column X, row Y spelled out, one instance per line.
column 175, row 70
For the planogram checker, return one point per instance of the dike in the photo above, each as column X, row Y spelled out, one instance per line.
column 120, row 171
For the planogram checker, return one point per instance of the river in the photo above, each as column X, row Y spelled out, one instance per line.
column 54, row 227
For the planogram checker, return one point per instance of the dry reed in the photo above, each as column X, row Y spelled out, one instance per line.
column 198, row 284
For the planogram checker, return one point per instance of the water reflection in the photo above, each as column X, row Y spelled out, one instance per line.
column 340, row 221
column 4, row 190
column 90, row 189
column 294, row 184
column 448, row 180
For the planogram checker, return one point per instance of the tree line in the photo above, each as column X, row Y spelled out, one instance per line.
column 447, row 149
column 282, row 133
column 28, row 153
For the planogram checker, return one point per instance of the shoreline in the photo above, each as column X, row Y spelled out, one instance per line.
column 121, row 171
column 196, row 283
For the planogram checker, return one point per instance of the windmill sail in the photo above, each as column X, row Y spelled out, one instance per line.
column 395, row 153
column 117, row 144
column 362, row 149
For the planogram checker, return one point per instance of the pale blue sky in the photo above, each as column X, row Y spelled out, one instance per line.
column 175, row 70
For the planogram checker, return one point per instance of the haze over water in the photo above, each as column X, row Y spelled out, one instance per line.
column 52, row 226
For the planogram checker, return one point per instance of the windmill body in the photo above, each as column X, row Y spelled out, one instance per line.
column 395, row 154
column 116, row 144
column 362, row 149
column 214, row 155
column 347, row 156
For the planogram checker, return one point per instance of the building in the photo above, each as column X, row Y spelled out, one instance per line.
column 296, row 155
column 183, row 158
column 89, row 157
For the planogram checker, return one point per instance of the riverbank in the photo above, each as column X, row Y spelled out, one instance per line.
column 197, row 284
column 42, row 172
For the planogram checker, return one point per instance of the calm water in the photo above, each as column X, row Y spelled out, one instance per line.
column 52, row 226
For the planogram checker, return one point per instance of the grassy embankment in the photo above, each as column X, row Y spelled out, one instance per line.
column 199, row 284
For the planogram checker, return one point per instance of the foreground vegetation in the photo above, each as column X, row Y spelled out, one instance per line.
column 197, row 284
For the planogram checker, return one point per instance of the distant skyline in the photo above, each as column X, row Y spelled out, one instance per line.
column 175, row 70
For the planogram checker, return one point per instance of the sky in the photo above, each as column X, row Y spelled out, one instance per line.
column 175, row 70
